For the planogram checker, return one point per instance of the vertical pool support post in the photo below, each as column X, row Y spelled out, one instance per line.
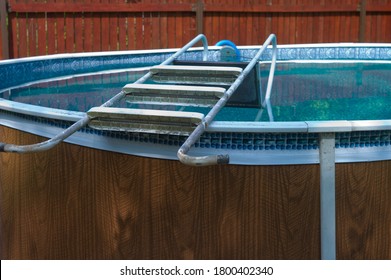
column 327, row 196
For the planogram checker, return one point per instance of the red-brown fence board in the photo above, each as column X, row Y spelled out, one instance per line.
column 38, row 27
column 378, row 27
column 122, row 32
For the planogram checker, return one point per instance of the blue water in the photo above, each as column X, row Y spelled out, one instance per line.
column 301, row 92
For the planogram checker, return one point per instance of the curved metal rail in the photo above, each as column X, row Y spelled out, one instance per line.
column 196, row 134
column 48, row 144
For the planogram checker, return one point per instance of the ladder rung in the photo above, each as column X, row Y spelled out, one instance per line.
column 195, row 74
column 141, row 120
column 173, row 94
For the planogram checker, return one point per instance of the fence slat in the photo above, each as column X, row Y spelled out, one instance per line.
column 163, row 25
column 69, row 33
column 60, row 23
column 51, row 32
column 22, row 35
column 122, row 32
column 155, row 31
column 105, row 31
column 31, row 38
column 148, row 30
column 171, row 31
column 78, row 21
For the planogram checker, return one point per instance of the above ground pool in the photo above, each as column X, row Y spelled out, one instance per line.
column 106, row 194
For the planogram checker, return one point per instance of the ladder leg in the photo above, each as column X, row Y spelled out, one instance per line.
column 202, row 160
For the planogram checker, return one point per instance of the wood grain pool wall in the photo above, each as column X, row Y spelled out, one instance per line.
column 74, row 202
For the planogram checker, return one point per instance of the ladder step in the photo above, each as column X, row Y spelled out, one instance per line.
column 188, row 74
column 173, row 94
column 141, row 120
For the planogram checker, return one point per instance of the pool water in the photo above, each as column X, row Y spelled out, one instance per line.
column 332, row 91
column 301, row 92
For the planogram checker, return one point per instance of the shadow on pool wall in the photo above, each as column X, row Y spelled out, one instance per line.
column 74, row 202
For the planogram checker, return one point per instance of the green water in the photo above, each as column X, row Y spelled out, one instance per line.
column 359, row 91
column 301, row 92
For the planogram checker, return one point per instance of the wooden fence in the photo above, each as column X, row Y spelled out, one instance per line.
column 39, row 27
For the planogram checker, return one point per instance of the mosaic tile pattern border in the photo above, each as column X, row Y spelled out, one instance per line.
column 239, row 141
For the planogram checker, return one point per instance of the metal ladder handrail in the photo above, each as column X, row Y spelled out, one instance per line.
column 200, row 129
column 266, row 103
column 48, row 144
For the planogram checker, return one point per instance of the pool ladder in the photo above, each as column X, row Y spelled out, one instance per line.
column 186, row 85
